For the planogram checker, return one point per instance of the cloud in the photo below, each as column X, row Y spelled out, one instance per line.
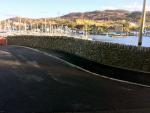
column 133, row 6
column 109, row 7
column 136, row 6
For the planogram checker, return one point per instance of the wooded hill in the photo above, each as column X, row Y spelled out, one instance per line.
column 108, row 15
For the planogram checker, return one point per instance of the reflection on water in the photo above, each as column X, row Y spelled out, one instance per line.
column 130, row 40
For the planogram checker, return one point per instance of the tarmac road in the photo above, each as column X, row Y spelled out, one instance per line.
column 31, row 81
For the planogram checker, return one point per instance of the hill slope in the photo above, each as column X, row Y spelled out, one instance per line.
column 110, row 15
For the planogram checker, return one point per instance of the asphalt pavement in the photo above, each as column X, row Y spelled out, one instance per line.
column 31, row 81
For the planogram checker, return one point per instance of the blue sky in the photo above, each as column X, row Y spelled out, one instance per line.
column 53, row 8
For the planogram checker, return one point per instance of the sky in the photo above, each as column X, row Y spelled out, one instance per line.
column 54, row 8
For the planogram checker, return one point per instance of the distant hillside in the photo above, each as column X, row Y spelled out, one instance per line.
column 110, row 15
column 31, row 20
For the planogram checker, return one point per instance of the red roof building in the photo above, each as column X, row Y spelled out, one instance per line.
column 3, row 41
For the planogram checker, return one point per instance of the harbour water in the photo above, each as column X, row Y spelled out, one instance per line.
column 130, row 40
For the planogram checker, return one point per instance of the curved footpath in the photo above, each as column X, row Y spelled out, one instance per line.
column 31, row 81
column 135, row 76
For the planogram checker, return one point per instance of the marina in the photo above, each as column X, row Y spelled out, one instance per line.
column 127, row 40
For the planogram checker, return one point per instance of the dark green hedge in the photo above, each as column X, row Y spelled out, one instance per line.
column 118, row 55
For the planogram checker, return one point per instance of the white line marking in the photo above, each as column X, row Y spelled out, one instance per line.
column 113, row 79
